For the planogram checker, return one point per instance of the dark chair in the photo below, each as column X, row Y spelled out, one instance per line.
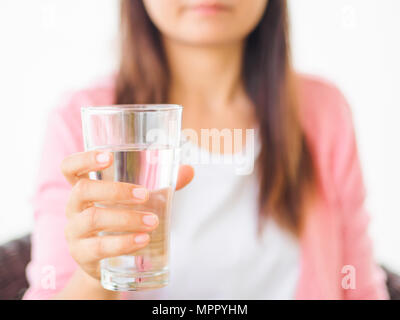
column 15, row 255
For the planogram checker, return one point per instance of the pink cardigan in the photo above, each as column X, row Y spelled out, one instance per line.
column 336, row 230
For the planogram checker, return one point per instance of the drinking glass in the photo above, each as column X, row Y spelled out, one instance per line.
column 145, row 143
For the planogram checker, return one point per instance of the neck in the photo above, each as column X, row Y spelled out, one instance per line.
column 206, row 76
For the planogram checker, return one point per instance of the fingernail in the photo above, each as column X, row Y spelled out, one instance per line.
column 142, row 238
column 150, row 219
column 139, row 193
column 103, row 157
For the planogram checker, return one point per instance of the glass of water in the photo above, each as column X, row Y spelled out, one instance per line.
column 144, row 141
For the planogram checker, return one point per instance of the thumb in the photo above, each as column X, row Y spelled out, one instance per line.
column 185, row 175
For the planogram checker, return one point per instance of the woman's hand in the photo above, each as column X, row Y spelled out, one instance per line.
column 85, row 220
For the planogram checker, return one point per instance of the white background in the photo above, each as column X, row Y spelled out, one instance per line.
column 51, row 46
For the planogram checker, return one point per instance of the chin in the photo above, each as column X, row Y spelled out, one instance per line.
column 210, row 39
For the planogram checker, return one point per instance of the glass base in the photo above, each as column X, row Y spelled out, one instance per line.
column 115, row 281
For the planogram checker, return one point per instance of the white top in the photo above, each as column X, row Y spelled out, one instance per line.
column 215, row 252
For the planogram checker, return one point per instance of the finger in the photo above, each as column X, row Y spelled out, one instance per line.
column 79, row 165
column 95, row 219
column 86, row 192
column 94, row 249
column 185, row 175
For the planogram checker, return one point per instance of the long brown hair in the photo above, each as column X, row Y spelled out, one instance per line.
column 285, row 163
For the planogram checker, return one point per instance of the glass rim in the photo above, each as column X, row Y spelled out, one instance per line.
column 132, row 108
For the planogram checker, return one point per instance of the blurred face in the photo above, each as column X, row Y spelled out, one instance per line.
column 206, row 22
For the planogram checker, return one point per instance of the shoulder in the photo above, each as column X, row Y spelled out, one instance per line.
column 68, row 109
column 64, row 120
column 328, row 126
column 100, row 92
column 324, row 111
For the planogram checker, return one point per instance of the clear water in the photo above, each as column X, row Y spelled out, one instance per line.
column 155, row 169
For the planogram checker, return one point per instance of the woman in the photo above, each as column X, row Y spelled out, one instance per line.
column 293, row 228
